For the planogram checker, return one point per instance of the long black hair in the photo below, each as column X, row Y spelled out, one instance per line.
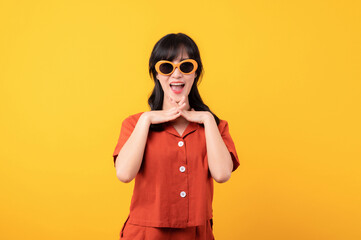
column 168, row 48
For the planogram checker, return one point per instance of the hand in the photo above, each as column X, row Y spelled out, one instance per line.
column 192, row 115
column 160, row 116
column 181, row 105
column 196, row 116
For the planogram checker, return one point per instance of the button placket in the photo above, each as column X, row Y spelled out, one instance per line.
column 182, row 149
column 182, row 168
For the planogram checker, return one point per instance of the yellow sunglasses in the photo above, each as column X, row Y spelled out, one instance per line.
column 187, row 66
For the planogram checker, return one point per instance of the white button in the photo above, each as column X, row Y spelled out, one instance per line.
column 180, row 143
column 182, row 169
column 183, row 194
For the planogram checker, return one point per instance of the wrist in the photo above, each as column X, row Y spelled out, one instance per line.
column 145, row 118
column 208, row 118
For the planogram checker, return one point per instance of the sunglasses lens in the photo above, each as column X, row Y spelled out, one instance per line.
column 166, row 68
column 186, row 67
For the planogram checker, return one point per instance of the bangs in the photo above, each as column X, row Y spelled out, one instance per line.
column 170, row 51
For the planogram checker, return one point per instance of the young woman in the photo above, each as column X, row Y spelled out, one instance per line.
column 173, row 151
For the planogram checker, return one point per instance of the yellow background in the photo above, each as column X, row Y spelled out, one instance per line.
column 284, row 74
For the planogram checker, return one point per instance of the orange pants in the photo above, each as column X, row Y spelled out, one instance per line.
column 137, row 232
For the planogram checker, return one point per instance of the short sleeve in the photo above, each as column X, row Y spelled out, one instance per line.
column 226, row 136
column 126, row 130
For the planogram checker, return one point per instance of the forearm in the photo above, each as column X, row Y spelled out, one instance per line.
column 130, row 156
column 219, row 159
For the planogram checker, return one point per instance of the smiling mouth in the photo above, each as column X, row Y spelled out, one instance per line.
column 177, row 87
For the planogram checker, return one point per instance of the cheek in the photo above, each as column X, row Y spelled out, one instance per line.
column 190, row 82
column 163, row 83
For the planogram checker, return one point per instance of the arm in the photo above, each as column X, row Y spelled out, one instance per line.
column 219, row 159
column 130, row 157
column 133, row 139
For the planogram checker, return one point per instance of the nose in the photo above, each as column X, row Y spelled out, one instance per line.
column 177, row 73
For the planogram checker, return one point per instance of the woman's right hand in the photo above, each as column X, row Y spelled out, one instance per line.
column 160, row 116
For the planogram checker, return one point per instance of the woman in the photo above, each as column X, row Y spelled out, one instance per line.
column 173, row 151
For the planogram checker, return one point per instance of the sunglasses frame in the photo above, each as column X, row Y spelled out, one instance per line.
column 176, row 65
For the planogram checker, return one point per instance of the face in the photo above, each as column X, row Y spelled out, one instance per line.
column 176, row 92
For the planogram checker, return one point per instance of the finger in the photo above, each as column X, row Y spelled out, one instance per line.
column 172, row 101
column 184, row 114
column 193, row 109
column 172, row 110
column 177, row 103
column 182, row 100
column 174, row 116
column 182, row 107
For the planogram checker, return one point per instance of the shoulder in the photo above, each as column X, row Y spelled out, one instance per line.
column 135, row 116
column 132, row 119
column 222, row 125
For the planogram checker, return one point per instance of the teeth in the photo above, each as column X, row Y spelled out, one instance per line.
column 177, row 84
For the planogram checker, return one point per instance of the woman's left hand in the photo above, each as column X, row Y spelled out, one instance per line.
column 192, row 115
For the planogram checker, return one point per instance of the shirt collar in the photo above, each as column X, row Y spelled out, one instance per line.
column 191, row 127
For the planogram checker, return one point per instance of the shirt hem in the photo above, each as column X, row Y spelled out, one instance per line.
column 152, row 223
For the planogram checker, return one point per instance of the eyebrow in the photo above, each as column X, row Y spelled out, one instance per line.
column 184, row 59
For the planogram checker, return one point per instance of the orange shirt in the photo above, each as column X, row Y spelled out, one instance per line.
column 174, row 187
